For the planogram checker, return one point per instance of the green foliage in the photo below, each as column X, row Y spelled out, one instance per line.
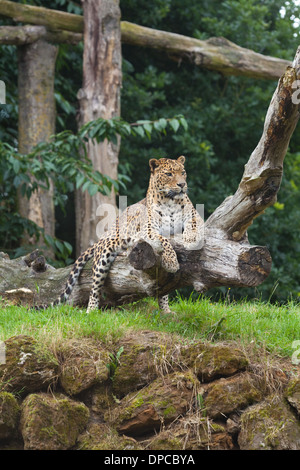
column 64, row 161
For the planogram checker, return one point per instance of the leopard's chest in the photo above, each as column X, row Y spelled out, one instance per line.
column 169, row 219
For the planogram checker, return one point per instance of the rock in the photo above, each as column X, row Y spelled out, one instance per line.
column 269, row 425
column 102, row 437
column 233, row 425
column 9, row 415
column 210, row 362
column 142, row 357
column 84, row 363
column 99, row 399
column 29, row 366
column 292, row 393
column 225, row 396
column 158, row 404
column 193, row 432
column 52, row 422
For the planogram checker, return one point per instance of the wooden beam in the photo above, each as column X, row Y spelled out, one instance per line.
column 27, row 34
column 52, row 19
column 217, row 54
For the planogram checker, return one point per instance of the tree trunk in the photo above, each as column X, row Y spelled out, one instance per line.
column 226, row 258
column 99, row 97
column 37, row 122
column 217, row 54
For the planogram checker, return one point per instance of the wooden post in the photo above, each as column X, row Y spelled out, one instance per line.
column 99, row 97
column 37, row 122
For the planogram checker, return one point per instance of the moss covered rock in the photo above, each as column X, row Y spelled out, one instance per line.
column 159, row 403
column 142, row 356
column 52, row 422
column 9, row 415
column 225, row 396
column 84, row 363
column 292, row 393
column 99, row 399
column 192, row 432
column 102, row 437
column 269, row 425
column 210, row 362
column 29, row 366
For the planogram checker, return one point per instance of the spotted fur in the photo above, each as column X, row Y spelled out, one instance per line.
column 165, row 212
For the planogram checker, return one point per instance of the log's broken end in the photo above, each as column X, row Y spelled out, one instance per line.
column 254, row 265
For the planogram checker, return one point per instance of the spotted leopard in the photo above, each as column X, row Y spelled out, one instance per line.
column 165, row 212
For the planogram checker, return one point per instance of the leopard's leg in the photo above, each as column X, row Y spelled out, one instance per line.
column 104, row 256
column 169, row 259
column 163, row 303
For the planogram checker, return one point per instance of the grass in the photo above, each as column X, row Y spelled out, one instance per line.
column 264, row 326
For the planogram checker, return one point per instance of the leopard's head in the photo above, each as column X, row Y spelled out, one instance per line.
column 169, row 177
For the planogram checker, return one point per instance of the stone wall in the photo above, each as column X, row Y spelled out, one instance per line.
column 150, row 391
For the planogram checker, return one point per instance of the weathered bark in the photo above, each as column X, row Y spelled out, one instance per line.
column 27, row 34
column 231, row 265
column 37, row 122
column 217, row 54
column 99, row 97
column 53, row 19
column 226, row 258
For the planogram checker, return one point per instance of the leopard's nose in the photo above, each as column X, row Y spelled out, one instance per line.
column 181, row 185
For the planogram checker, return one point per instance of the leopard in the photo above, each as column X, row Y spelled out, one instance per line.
column 166, row 212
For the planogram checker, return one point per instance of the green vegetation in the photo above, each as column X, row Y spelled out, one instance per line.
column 263, row 326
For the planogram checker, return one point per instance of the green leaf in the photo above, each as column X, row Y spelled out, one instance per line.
column 93, row 189
column 174, row 123
column 68, row 247
column 140, row 131
column 60, row 246
column 16, row 165
column 80, row 178
column 184, row 123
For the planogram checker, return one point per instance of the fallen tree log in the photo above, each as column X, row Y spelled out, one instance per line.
column 137, row 274
column 226, row 257
column 217, row 54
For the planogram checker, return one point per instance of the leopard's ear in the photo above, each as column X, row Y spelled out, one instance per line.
column 153, row 163
column 181, row 159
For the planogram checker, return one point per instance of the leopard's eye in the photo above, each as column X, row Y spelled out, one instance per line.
column 168, row 174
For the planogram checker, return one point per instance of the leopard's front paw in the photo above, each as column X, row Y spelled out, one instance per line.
column 170, row 263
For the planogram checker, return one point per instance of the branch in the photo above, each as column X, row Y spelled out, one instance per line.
column 263, row 173
column 217, row 54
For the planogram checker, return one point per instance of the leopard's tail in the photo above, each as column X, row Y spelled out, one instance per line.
column 72, row 279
